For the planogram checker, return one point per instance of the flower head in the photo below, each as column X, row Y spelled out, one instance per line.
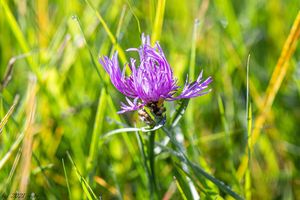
column 152, row 81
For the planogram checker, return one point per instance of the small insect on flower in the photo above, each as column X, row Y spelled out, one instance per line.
column 151, row 83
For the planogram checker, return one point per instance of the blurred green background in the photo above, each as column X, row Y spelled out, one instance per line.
column 50, row 48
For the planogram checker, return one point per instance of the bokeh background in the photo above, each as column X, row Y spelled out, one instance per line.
column 56, row 98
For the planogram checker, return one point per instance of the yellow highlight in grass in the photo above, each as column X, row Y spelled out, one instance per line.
column 273, row 87
column 25, row 165
column 180, row 189
column 160, row 10
column 43, row 22
column 8, row 114
column 104, row 184
column 109, row 33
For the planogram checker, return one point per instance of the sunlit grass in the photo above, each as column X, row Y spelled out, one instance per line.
column 61, row 136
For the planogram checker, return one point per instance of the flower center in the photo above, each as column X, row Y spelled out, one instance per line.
column 157, row 107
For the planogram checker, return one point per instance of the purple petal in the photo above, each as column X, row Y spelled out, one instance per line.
column 118, row 79
column 131, row 107
column 194, row 89
column 151, row 78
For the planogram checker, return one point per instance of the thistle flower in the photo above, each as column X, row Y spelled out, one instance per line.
column 152, row 82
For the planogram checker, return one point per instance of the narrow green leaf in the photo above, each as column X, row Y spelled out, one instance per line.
column 85, row 186
column 109, row 32
column 135, row 16
column 9, row 113
column 158, row 23
column 180, row 189
column 16, row 30
column 98, row 125
column 182, row 185
column 89, row 49
column 247, row 186
column 11, row 150
column 198, row 171
column 141, row 145
column 67, row 180
column 180, row 111
column 145, row 129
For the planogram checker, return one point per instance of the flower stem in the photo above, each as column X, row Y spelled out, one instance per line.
column 151, row 154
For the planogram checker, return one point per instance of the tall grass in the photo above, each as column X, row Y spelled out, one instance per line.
column 61, row 136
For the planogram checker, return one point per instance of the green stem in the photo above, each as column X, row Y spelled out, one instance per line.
column 151, row 158
column 145, row 159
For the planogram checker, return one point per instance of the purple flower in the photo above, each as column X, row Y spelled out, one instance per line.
column 152, row 82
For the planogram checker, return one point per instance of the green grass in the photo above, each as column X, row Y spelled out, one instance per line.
column 61, row 136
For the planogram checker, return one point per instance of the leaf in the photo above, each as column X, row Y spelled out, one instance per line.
column 98, row 126
column 8, row 114
column 67, row 180
column 145, row 129
column 180, row 111
column 182, row 185
column 198, row 171
column 109, row 32
column 86, row 188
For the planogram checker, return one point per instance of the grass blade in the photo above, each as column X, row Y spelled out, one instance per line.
column 7, row 184
column 180, row 112
column 136, row 18
column 249, row 130
column 9, row 70
column 273, row 87
column 145, row 129
column 85, row 186
column 181, row 183
column 89, row 49
column 234, row 29
column 159, row 17
column 141, row 145
column 25, row 165
column 16, row 30
column 98, row 125
column 104, row 184
column 9, row 113
column 112, row 38
column 198, row 171
column 181, row 191
column 11, row 150
column 67, row 180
